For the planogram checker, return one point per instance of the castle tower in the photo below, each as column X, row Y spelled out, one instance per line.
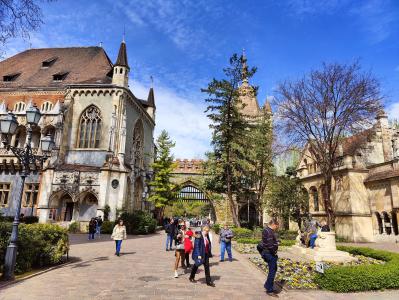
column 120, row 76
column 247, row 93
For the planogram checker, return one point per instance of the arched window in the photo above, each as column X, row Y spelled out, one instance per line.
column 19, row 107
column 315, row 196
column 46, row 106
column 90, row 128
column 137, row 155
column 387, row 223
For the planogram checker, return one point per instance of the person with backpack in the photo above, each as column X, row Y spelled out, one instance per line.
column 225, row 242
column 92, row 228
column 169, row 230
column 268, row 250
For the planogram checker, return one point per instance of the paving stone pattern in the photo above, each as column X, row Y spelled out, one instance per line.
column 145, row 271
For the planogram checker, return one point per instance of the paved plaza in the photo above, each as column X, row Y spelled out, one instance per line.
column 145, row 271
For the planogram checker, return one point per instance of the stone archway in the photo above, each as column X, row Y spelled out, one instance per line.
column 248, row 214
column 61, row 207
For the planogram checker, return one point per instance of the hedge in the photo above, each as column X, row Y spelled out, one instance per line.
column 216, row 228
column 363, row 277
column 283, row 243
column 107, row 227
column 39, row 245
column 242, row 232
column 139, row 222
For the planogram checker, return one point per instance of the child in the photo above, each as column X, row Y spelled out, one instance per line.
column 188, row 246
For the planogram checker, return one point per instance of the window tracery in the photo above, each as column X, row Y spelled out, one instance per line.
column 90, row 128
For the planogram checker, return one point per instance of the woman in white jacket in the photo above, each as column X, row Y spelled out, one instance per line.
column 119, row 234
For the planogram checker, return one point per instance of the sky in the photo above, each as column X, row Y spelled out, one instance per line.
column 183, row 44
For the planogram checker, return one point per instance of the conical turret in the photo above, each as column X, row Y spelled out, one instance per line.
column 121, row 68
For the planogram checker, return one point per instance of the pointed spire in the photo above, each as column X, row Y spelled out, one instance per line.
column 151, row 98
column 244, row 68
column 267, row 107
column 122, row 56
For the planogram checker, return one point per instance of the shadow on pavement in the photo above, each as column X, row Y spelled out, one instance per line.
column 81, row 238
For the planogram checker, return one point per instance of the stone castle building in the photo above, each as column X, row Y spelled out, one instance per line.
column 103, row 134
column 365, row 187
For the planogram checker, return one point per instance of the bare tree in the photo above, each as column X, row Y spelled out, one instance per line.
column 324, row 106
column 18, row 18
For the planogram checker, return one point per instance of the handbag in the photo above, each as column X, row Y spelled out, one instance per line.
column 180, row 247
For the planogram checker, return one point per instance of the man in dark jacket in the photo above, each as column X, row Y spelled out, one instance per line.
column 201, row 254
column 268, row 249
column 170, row 231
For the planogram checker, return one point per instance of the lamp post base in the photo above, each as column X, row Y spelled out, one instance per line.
column 9, row 263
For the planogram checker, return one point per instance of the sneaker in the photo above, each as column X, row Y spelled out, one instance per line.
column 176, row 274
column 210, row 284
column 230, row 260
column 222, row 260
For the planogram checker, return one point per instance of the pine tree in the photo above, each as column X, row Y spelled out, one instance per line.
column 163, row 191
column 260, row 157
column 227, row 160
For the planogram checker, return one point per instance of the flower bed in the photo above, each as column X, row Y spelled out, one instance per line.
column 303, row 275
column 248, row 246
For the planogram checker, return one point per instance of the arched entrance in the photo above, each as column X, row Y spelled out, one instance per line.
column 62, row 207
column 248, row 215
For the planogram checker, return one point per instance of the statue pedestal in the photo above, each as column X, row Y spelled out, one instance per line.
column 325, row 250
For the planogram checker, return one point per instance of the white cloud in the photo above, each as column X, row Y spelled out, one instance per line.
column 393, row 111
column 183, row 118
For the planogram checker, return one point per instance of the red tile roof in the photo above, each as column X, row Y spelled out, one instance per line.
column 85, row 65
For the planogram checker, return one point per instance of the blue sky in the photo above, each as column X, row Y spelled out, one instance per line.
column 183, row 44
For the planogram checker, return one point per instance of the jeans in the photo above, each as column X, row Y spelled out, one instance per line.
column 225, row 246
column 118, row 244
column 98, row 230
column 271, row 261
column 206, row 267
column 169, row 240
column 312, row 240
column 91, row 236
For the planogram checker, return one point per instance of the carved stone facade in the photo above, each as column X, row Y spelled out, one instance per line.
column 365, row 186
column 102, row 132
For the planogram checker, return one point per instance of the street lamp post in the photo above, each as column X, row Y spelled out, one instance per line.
column 25, row 156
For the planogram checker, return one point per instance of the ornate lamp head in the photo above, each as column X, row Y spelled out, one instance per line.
column 33, row 115
column 47, row 143
column 8, row 124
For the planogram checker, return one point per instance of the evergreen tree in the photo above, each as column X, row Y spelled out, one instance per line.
column 227, row 161
column 287, row 199
column 163, row 191
column 260, row 158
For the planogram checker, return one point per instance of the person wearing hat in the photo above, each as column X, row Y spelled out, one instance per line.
column 188, row 245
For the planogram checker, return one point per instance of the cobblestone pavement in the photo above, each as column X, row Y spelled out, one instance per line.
column 145, row 271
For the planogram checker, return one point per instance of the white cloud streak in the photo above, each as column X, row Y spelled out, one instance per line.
column 183, row 118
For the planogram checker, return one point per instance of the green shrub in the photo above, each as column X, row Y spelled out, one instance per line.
column 39, row 245
column 362, row 277
column 107, row 227
column 283, row 243
column 74, row 227
column 216, row 228
column 248, row 241
column 30, row 219
column 242, row 232
column 287, row 234
column 139, row 222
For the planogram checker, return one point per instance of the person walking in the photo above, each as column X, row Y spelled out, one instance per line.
column 201, row 254
column 225, row 242
column 188, row 246
column 312, row 234
column 118, row 235
column 179, row 253
column 99, row 224
column 268, row 249
column 169, row 229
column 92, row 228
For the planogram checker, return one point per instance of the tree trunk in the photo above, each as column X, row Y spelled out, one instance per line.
column 327, row 201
